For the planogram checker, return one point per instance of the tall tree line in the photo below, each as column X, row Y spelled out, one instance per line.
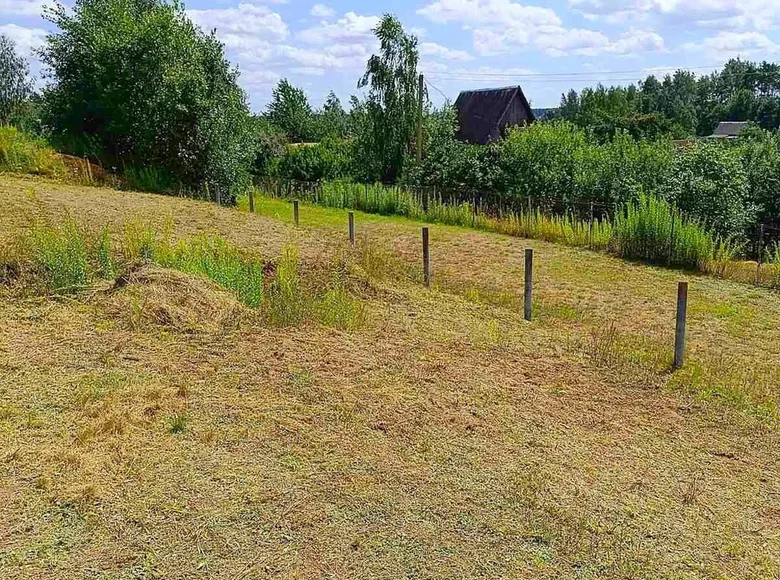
column 681, row 104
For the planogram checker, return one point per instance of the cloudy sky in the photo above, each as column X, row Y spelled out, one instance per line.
column 547, row 47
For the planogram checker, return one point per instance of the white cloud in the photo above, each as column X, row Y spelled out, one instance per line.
column 351, row 28
column 23, row 7
column 322, row 11
column 488, row 12
column 337, row 56
column 727, row 44
column 720, row 14
column 433, row 50
column 502, row 26
column 26, row 39
column 244, row 24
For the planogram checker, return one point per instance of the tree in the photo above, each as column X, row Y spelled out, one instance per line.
column 331, row 121
column 15, row 83
column 135, row 83
column 391, row 109
column 289, row 110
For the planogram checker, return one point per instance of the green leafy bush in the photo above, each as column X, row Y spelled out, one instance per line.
column 134, row 83
column 708, row 181
column 330, row 159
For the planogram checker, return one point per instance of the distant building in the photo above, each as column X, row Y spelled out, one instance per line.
column 728, row 129
column 484, row 115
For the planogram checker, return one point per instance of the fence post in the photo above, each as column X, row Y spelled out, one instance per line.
column 216, row 192
column 252, row 200
column 590, row 227
column 295, row 212
column 679, row 332
column 529, row 283
column 671, row 241
column 351, row 219
column 760, row 253
column 426, row 257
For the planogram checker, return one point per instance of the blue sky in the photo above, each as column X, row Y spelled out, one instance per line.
column 546, row 47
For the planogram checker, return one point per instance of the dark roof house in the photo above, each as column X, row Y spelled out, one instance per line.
column 728, row 129
column 483, row 115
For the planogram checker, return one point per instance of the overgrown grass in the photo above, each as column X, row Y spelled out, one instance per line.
column 21, row 153
column 649, row 229
column 653, row 230
column 65, row 257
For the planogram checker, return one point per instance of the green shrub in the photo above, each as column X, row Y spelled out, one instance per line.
column 709, row 182
column 329, row 159
column 135, row 82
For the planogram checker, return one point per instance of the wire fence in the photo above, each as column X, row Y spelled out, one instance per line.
column 761, row 239
column 483, row 202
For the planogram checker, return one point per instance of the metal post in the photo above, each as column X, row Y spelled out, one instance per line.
column 529, row 283
column 426, row 258
column 352, row 228
column 679, row 333
column 295, row 212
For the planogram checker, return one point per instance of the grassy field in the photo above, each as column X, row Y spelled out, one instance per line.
column 161, row 429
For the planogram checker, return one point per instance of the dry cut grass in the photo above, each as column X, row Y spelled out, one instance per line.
column 158, row 430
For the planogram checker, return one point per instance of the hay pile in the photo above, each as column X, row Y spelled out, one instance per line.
column 149, row 295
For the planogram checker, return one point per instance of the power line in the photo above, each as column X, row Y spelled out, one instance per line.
column 534, row 74
column 430, row 84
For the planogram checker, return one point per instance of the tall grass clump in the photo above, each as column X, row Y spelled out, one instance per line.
column 21, row 153
column 285, row 304
column 772, row 260
column 59, row 255
column 229, row 266
column 653, row 230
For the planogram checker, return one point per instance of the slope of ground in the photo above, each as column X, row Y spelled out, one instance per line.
column 445, row 438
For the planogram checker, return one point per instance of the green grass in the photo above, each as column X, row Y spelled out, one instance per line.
column 66, row 257
column 650, row 229
column 233, row 268
column 59, row 255
column 21, row 153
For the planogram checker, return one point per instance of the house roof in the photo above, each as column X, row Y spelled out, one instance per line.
column 481, row 112
column 729, row 128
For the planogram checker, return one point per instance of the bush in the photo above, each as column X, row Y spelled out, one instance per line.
column 709, row 182
column 135, row 83
column 327, row 160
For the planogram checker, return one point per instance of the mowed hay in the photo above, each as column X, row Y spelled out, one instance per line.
column 172, row 299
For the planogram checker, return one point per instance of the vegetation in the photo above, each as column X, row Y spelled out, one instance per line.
column 66, row 257
column 15, row 83
column 136, row 84
column 649, row 228
column 22, row 153
column 681, row 104
column 389, row 116
column 446, row 424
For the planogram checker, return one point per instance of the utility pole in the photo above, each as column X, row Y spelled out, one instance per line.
column 420, row 87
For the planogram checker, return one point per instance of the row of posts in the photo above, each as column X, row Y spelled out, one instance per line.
column 682, row 287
